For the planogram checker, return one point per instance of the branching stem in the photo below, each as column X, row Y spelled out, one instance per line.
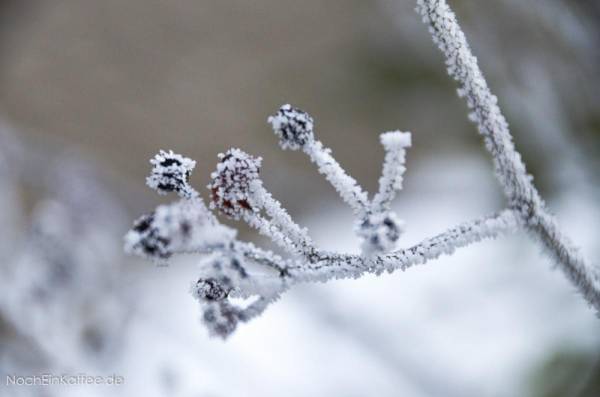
column 518, row 186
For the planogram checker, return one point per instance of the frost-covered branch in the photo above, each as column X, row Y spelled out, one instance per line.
column 338, row 266
column 238, row 192
column 294, row 127
column 510, row 170
column 395, row 144
column 235, row 269
column 378, row 227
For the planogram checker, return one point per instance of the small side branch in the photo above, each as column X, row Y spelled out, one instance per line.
column 344, row 184
column 395, row 144
column 295, row 129
column 338, row 266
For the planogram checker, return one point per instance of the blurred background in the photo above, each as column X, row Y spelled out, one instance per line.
column 90, row 90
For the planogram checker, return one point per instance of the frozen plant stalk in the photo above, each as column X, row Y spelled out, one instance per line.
column 231, row 268
column 522, row 195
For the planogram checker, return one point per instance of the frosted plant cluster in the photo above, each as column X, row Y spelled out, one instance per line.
column 231, row 268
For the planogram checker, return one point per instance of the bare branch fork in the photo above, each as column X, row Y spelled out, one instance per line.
column 232, row 268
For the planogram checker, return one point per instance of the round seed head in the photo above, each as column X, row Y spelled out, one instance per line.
column 211, row 289
column 380, row 233
column 293, row 126
column 170, row 173
column 146, row 240
column 220, row 317
column 230, row 184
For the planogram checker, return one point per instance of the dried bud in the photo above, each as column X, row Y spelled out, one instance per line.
column 145, row 239
column 230, row 185
column 181, row 226
column 380, row 233
column 212, row 289
column 221, row 318
column 170, row 173
column 293, row 126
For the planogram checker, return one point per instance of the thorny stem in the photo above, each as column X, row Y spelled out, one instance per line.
column 518, row 187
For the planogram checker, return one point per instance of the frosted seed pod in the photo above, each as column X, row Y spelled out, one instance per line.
column 293, row 126
column 230, row 184
column 170, row 173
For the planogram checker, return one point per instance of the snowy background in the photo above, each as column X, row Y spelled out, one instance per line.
column 89, row 91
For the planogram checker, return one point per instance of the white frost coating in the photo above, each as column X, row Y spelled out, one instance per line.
column 395, row 144
column 268, row 229
column 510, row 169
column 395, row 140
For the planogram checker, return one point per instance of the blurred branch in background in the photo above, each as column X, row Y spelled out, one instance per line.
column 63, row 303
